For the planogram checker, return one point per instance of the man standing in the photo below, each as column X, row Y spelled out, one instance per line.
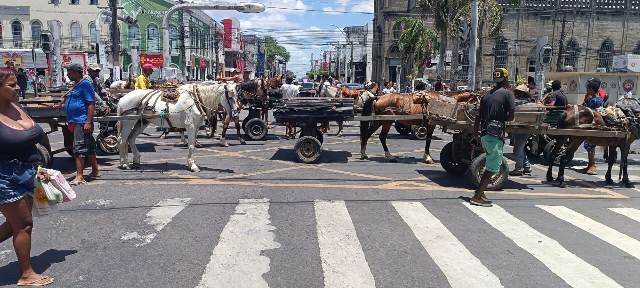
column 22, row 82
column 143, row 81
column 79, row 106
column 593, row 101
column 289, row 91
column 495, row 109
column 557, row 98
column 522, row 96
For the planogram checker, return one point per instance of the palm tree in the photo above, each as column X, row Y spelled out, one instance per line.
column 416, row 43
column 445, row 13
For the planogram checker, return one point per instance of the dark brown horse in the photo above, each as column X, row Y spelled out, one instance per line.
column 573, row 118
column 259, row 91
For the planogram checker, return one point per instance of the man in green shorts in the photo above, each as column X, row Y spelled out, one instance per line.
column 495, row 109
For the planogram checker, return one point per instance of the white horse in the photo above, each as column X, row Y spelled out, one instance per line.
column 187, row 112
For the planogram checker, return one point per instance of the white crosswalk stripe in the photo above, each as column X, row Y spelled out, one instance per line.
column 607, row 234
column 158, row 217
column 237, row 260
column 629, row 212
column 447, row 251
column 573, row 270
column 343, row 261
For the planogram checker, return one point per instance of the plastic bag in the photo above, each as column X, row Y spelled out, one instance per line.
column 60, row 183
column 40, row 201
column 53, row 194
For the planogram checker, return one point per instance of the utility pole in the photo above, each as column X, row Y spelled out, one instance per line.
column 473, row 39
column 182, row 48
column 561, row 44
column 115, row 36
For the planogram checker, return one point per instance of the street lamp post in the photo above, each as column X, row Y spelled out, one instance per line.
column 240, row 7
column 351, row 60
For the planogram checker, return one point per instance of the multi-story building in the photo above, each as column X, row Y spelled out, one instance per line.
column 196, row 56
column 250, row 56
column 584, row 35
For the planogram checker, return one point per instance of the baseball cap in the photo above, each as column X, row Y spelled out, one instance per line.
column 75, row 67
column 94, row 67
column 500, row 74
column 147, row 66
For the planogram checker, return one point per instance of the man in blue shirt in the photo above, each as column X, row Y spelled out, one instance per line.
column 79, row 105
column 593, row 101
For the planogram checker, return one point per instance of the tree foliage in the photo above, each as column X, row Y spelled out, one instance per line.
column 274, row 50
column 417, row 42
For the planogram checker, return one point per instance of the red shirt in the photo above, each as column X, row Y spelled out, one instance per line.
column 603, row 94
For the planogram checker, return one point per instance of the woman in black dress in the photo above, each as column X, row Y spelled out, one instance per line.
column 18, row 137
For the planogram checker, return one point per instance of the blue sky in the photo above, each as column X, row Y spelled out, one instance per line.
column 301, row 31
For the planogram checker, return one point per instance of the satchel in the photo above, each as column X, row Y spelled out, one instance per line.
column 495, row 128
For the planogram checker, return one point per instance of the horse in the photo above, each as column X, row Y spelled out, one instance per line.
column 573, row 117
column 258, row 91
column 403, row 104
column 227, row 98
column 187, row 112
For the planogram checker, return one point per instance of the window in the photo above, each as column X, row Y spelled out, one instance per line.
column 174, row 38
column 397, row 30
column 16, row 33
column 74, row 2
column 635, row 51
column 36, row 31
column 393, row 52
column 571, row 51
column 605, row 54
column 93, row 33
column 93, row 2
column 153, row 38
column 76, row 35
column 500, row 53
column 134, row 36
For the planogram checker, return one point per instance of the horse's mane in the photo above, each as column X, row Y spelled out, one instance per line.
column 249, row 86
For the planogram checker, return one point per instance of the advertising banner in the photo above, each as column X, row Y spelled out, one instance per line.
column 153, row 59
column 231, row 37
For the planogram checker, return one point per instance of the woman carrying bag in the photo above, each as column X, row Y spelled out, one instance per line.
column 18, row 137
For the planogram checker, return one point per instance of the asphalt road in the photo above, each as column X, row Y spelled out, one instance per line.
column 255, row 218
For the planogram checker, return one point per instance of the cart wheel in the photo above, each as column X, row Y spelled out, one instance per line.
column 108, row 144
column 532, row 148
column 548, row 149
column 308, row 149
column 449, row 163
column 477, row 169
column 45, row 156
column 256, row 129
column 244, row 122
column 68, row 139
column 402, row 129
column 419, row 132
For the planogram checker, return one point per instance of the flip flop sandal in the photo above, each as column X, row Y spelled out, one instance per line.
column 45, row 280
column 77, row 183
column 480, row 203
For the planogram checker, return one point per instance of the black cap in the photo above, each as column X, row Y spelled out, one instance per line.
column 75, row 67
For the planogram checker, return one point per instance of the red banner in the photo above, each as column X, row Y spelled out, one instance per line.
column 155, row 60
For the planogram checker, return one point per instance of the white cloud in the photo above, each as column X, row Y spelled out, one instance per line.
column 363, row 6
column 334, row 11
column 298, row 6
column 267, row 21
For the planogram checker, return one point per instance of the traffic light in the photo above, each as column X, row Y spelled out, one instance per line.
column 463, row 31
column 545, row 55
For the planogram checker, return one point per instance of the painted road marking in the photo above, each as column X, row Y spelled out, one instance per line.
column 573, row 270
column 343, row 261
column 445, row 249
column 629, row 212
column 605, row 233
column 238, row 260
column 158, row 217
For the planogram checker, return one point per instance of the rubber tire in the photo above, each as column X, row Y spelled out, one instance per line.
column 477, row 168
column 450, row 165
column 104, row 148
column 415, row 134
column 533, row 149
column 308, row 149
column 402, row 129
column 45, row 155
column 256, row 129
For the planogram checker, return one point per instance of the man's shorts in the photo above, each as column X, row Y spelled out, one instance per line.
column 83, row 143
column 588, row 146
column 493, row 147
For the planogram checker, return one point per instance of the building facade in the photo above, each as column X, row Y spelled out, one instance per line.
column 22, row 22
column 195, row 56
column 584, row 36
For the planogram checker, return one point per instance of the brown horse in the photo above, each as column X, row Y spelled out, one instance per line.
column 573, row 119
column 404, row 104
column 258, row 91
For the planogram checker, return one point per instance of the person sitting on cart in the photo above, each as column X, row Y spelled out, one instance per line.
column 102, row 109
column 495, row 109
column 143, row 81
column 522, row 167
column 557, row 98
column 594, row 101
column 79, row 106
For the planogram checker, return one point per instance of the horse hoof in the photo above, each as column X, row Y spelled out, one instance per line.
column 194, row 169
column 629, row 185
column 608, row 181
column 364, row 157
column 123, row 167
column 428, row 159
column 243, row 142
column 561, row 184
column 134, row 165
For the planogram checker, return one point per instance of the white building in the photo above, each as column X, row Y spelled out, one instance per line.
column 23, row 21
